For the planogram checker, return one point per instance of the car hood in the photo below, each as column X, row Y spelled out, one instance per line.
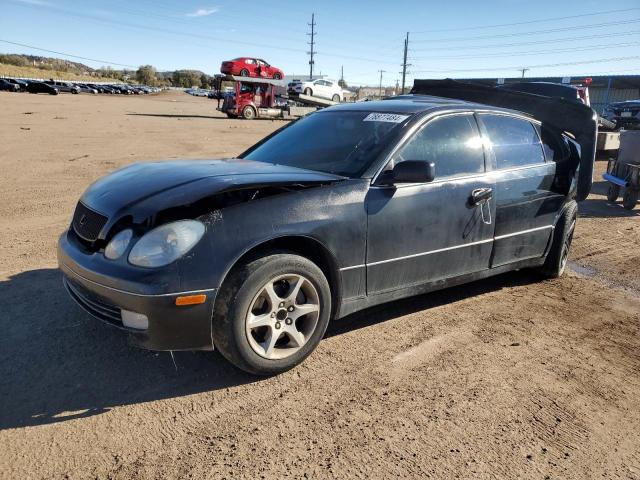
column 626, row 104
column 142, row 190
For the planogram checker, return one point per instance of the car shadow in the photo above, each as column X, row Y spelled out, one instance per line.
column 398, row 308
column 168, row 115
column 58, row 364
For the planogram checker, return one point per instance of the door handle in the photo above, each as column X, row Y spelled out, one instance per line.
column 481, row 195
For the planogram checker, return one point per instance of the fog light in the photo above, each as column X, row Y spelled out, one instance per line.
column 134, row 320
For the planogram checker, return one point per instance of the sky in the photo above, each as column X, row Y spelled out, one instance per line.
column 460, row 39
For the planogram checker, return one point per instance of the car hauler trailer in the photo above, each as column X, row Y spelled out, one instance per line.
column 256, row 98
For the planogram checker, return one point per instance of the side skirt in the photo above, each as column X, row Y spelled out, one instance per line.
column 353, row 305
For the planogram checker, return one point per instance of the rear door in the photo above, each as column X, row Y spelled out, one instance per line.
column 320, row 89
column 526, row 206
column 421, row 233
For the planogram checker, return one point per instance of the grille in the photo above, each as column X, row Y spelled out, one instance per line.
column 87, row 224
column 94, row 305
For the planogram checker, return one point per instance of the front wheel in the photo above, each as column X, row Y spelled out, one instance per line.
column 277, row 76
column 558, row 255
column 248, row 113
column 630, row 198
column 336, row 98
column 244, row 72
column 308, row 91
column 271, row 313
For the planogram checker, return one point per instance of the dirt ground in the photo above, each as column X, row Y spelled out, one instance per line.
column 511, row 377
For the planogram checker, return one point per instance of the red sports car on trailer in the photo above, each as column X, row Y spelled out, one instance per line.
column 251, row 67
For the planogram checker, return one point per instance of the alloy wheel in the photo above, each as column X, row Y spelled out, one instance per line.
column 283, row 316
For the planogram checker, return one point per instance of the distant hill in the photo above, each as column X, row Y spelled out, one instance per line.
column 45, row 63
column 47, row 67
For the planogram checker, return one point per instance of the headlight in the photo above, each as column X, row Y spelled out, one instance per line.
column 118, row 244
column 167, row 243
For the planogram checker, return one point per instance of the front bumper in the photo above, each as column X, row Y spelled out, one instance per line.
column 623, row 121
column 170, row 327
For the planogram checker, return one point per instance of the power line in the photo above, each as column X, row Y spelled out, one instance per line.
column 532, row 32
column 210, row 37
column 528, row 22
column 534, row 42
column 532, row 52
column 519, row 68
column 68, row 54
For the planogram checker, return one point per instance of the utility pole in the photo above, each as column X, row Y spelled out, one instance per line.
column 312, row 43
column 381, row 72
column 341, row 83
column 523, row 71
column 404, row 61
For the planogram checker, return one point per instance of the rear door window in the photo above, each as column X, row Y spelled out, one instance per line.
column 515, row 141
column 452, row 142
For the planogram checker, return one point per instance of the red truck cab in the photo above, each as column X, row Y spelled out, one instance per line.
column 251, row 99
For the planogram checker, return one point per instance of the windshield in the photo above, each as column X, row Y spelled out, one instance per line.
column 339, row 142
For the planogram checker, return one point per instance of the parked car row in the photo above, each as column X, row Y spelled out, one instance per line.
column 198, row 92
column 53, row 87
column 623, row 114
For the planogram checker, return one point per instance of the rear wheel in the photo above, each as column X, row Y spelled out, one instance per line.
column 248, row 113
column 630, row 198
column 308, row 91
column 558, row 255
column 271, row 313
column 613, row 192
column 336, row 98
column 244, row 72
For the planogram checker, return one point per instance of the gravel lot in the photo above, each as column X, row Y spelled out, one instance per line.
column 510, row 377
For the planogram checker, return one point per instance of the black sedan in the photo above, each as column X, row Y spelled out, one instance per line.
column 623, row 114
column 350, row 207
column 8, row 86
column 41, row 87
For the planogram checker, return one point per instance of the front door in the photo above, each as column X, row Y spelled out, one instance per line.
column 421, row 233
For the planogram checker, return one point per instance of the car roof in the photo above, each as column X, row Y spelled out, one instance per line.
column 412, row 104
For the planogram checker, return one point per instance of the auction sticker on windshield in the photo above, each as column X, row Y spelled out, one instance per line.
column 385, row 117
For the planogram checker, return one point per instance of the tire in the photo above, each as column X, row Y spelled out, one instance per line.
column 244, row 72
column 308, row 91
column 277, row 76
column 336, row 98
column 248, row 113
column 613, row 192
column 556, row 261
column 630, row 198
column 254, row 349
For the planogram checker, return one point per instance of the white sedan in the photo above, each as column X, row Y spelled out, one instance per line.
column 322, row 88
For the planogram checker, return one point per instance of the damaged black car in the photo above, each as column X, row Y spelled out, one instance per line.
column 352, row 206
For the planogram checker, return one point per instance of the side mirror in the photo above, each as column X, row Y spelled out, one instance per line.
column 414, row 171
